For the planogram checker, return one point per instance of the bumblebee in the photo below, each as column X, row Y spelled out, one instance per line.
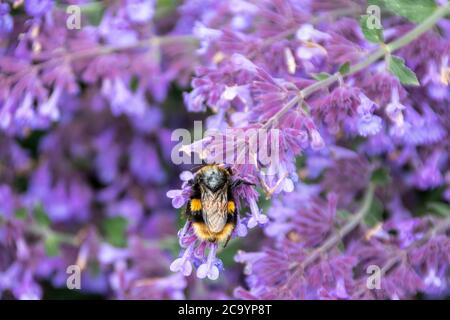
column 211, row 208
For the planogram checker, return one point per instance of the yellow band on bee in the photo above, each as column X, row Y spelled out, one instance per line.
column 196, row 205
column 231, row 206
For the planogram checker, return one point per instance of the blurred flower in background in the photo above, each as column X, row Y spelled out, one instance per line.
column 362, row 177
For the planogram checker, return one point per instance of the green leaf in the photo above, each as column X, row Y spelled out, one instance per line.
column 94, row 12
column 398, row 68
column 52, row 245
column 21, row 213
column 134, row 83
column 320, row 76
column 371, row 34
column 375, row 2
column 114, row 231
column 375, row 214
column 345, row 68
column 413, row 10
column 165, row 7
column 381, row 177
column 41, row 217
column 439, row 208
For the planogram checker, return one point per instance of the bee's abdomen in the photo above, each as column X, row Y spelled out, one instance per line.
column 203, row 233
column 202, row 230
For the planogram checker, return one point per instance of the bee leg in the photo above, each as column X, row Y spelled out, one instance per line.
column 238, row 182
column 226, row 242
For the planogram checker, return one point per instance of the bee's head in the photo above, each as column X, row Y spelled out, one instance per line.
column 213, row 177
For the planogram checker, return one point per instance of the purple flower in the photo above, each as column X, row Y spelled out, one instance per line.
column 340, row 109
column 6, row 21
column 401, row 283
column 128, row 208
column 206, row 36
column 349, row 171
column 7, row 201
column 183, row 264
column 305, row 218
column 25, row 113
column 108, row 156
column 317, row 142
column 181, row 196
column 140, row 11
column 50, row 108
column 382, row 87
column 341, row 50
column 256, row 217
column 310, row 37
column 122, row 99
column 437, row 79
column 423, row 128
column 144, row 162
column 28, row 289
column 368, row 123
column 194, row 101
column 38, row 8
column 248, row 258
column 394, row 110
column 209, row 268
column 333, row 277
column 117, row 31
column 429, row 175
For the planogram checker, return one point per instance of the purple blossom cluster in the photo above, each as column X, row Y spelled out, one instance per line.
column 356, row 205
column 312, row 71
column 84, row 144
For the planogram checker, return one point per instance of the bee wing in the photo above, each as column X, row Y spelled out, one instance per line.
column 214, row 211
column 215, row 221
